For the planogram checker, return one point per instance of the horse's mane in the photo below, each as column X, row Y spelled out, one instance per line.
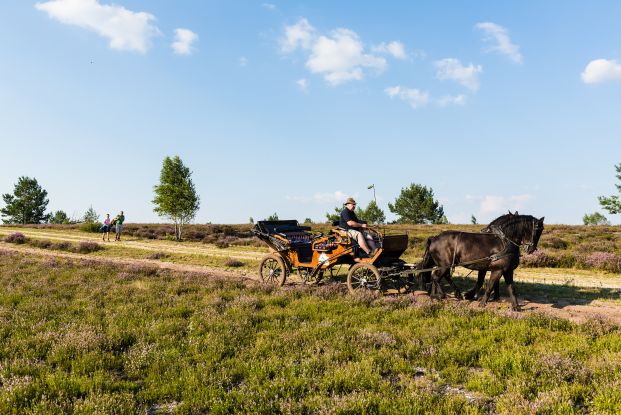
column 499, row 222
column 516, row 226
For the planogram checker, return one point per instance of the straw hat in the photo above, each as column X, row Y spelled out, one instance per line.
column 350, row 200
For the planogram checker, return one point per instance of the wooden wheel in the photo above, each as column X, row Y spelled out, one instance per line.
column 363, row 276
column 273, row 270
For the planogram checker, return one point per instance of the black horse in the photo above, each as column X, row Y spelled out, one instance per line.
column 498, row 252
column 472, row 294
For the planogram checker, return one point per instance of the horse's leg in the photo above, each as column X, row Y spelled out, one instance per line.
column 436, row 277
column 511, row 288
column 455, row 287
column 496, row 290
column 474, row 292
column 490, row 284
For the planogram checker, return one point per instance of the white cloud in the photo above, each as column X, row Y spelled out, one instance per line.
column 243, row 61
column 452, row 69
column 394, row 48
column 269, row 6
column 415, row 97
column 500, row 204
column 300, row 34
column 601, row 70
column 126, row 30
column 302, row 84
column 184, row 41
column 338, row 56
column 498, row 36
column 449, row 100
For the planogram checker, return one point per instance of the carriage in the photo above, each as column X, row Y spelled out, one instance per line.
column 295, row 248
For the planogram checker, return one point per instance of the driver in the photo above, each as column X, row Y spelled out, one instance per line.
column 356, row 228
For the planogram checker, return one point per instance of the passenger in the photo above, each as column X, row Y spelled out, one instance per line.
column 351, row 223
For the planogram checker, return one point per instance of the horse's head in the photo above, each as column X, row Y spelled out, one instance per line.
column 535, row 234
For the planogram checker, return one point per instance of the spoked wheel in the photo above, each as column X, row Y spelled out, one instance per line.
column 273, row 270
column 363, row 276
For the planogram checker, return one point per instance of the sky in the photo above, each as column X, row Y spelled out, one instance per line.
column 291, row 107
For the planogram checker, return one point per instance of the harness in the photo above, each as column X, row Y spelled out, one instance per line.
column 491, row 258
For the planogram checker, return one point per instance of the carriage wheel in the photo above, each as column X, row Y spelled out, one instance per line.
column 363, row 276
column 273, row 270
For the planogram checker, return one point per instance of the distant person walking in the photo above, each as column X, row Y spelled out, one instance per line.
column 118, row 221
column 106, row 228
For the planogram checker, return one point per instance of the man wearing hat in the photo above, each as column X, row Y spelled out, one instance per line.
column 355, row 227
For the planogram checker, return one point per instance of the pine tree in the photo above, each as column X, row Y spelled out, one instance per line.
column 27, row 204
column 612, row 204
column 416, row 204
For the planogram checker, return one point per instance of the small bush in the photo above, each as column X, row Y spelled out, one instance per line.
column 91, row 227
column 41, row 243
column 554, row 243
column 61, row 246
column 221, row 244
column 86, row 247
column 604, row 261
column 538, row 259
column 16, row 238
column 234, row 263
column 157, row 255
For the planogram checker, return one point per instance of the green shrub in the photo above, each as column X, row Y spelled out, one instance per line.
column 91, row 227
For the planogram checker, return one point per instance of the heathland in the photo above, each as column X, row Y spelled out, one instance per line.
column 149, row 325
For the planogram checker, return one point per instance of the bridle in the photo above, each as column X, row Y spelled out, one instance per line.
column 498, row 231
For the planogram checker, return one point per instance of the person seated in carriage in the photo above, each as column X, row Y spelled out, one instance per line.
column 356, row 228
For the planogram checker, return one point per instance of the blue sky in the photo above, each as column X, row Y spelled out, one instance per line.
column 290, row 107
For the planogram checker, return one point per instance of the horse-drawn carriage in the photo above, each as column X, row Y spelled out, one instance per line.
column 496, row 249
column 295, row 248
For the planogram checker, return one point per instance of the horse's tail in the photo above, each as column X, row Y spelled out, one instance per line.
column 427, row 262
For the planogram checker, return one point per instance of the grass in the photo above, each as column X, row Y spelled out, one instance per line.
column 82, row 337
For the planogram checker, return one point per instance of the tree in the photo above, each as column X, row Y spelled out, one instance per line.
column 416, row 204
column 175, row 196
column 59, row 217
column 27, row 204
column 336, row 215
column 595, row 219
column 90, row 216
column 308, row 221
column 473, row 220
column 612, row 204
column 251, row 219
column 372, row 213
column 273, row 216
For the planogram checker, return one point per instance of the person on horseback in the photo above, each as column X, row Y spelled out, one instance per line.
column 356, row 227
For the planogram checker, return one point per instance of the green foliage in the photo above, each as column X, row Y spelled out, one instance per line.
column 273, row 216
column 612, row 204
column 90, row 216
column 308, row 220
column 473, row 220
column 595, row 219
column 175, row 196
column 59, row 218
column 27, row 204
column 91, row 227
column 336, row 215
column 372, row 213
column 251, row 220
column 416, row 204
